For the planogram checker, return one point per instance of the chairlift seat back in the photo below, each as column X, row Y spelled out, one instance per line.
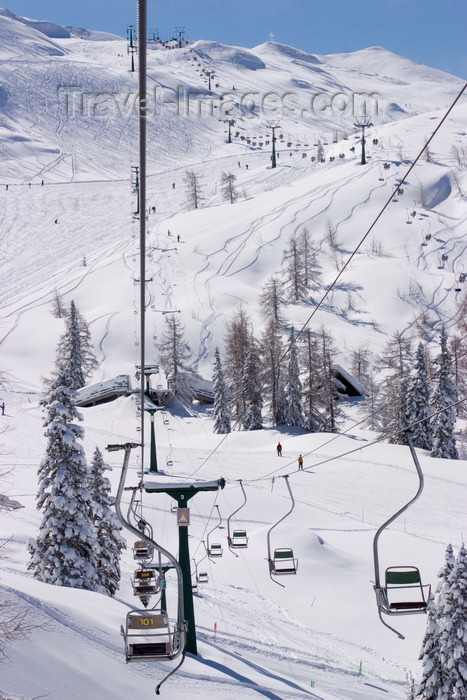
column 405, row 591
column 147, row 620
column 239, row 538
column 283, row 561
column 215, row 550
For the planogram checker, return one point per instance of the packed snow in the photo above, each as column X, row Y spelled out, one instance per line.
column 69, row 122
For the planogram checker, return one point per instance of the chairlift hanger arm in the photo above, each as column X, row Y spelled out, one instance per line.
column 216, row 526
column 292, row 506
column 236, row 511
column 399, row 512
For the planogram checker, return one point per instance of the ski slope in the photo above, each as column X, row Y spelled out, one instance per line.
column 323, row 626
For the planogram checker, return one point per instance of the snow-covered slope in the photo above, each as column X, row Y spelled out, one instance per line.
column 68, row 119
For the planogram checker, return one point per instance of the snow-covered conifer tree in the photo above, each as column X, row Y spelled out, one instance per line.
column 453, row 639
column 293, row 387
column 109, row 541
column 445, row 394
column 64, row 552
column 252, row 418
column 430, row 656
column 222, row 416
column 69, row 351
column 418, row 403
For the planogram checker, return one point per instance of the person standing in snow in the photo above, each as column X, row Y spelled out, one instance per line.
column 279, row 449
column 300, row 462
column 2, row 407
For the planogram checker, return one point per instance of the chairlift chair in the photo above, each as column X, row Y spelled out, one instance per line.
column 404, row 582
column 202, row 576
column 238, row 539
column 145, row 582
column 403, row 592
column 149, row 635
column 282, row 560
column 214, row 549
column 142, row 550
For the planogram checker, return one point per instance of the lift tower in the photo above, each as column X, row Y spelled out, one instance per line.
column 131, row 34
column 273, row 126
column 182, row 494
column 363, row 123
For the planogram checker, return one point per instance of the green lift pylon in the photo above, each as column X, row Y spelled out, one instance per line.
column 182, row 493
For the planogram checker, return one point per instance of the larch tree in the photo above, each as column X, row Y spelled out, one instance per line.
column 194, row 190
column 329, row 384
column 58, row 307
column 293, row 386
column 311, row 267
column 311, row 381
column 222, row 415
column 229, row 189
column 174, row 357
column 271, row 301
column 295, row 287
column 393, row 364
column 418, row 403
column 272, row 352
column 64, row 551
column 444, row 396
column 238, row 338
column 109, row 541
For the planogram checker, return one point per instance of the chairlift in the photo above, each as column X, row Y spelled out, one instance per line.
column 149, row 635
column 403, row 592
column 238, row 539
column 145, row 584
column 142, row 550
column 201, row 576
column 214, row 549
column 282, row 560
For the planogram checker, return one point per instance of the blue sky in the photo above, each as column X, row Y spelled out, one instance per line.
column 428, row 31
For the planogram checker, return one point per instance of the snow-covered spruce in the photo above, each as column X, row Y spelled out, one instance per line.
column 64, row 552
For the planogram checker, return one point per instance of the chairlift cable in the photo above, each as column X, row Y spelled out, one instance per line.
column 267, row 476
